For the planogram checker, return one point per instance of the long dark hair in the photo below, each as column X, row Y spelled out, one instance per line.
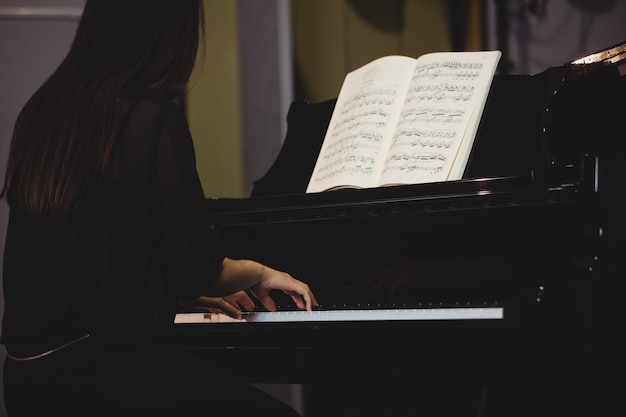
column 63, row 137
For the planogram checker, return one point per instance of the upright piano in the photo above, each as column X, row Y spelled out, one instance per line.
column 514, row 274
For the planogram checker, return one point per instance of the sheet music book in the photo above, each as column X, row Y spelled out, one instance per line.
column 401, row 120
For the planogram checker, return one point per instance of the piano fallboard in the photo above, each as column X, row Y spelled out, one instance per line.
column 538, row 187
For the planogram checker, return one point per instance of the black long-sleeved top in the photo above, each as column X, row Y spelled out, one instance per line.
column 117, row 269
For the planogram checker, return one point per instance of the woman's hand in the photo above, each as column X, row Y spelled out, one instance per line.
column 271, row 279
column 231, row 305
column 243, row 274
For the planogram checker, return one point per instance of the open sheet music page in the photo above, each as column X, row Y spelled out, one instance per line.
column 440, row 117
column 399, row 120
column 365, row 114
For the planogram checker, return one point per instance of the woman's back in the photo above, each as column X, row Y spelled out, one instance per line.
column 104, row 270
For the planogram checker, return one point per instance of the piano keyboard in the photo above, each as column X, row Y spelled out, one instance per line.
column 456, row 313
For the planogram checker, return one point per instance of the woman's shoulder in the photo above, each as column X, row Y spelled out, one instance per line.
column 154, row 106
column 148, row 117
column 151, row 114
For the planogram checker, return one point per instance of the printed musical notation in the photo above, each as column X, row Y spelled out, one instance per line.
column 431, row 163
column 356, row 138
column 354, row 152
column 400, row 120
column 452, row 69
column 441, row 92
column 436, row 108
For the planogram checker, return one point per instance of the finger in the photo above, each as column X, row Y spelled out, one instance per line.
column 309, row 301
column 313, row 300
column 304, row 301
column 300, row 300
column 219, row 305
column 267, row 301
column 230, row 310
column 247, row 304
column 241, row 299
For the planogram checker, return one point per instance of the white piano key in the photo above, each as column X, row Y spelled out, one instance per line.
column 425, row 314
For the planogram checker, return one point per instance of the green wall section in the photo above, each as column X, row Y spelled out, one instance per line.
column 212, row 104
column 330, row 38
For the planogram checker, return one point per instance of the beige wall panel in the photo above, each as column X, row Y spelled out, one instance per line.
column 319, row 48
column 373, row 29
column 213, row 104
column 332, row 38
column 426, row 27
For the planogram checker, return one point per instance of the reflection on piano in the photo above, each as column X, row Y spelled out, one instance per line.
column 533, row 234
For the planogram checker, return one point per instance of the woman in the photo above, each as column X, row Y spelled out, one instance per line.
column 109, row 233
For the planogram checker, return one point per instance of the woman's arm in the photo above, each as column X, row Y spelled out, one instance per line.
column 243, row 274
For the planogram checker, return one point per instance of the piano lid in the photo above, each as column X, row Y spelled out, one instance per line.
column 585, row 109
column 609, row 56
column 530, row 122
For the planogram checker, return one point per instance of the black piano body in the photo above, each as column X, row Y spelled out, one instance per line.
column 535, row 227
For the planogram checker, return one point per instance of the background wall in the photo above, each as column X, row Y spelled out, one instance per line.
column 543, row 33
column 333, row 37
column 240, row 94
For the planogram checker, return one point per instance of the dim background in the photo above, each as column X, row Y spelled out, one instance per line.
column 263, row 54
